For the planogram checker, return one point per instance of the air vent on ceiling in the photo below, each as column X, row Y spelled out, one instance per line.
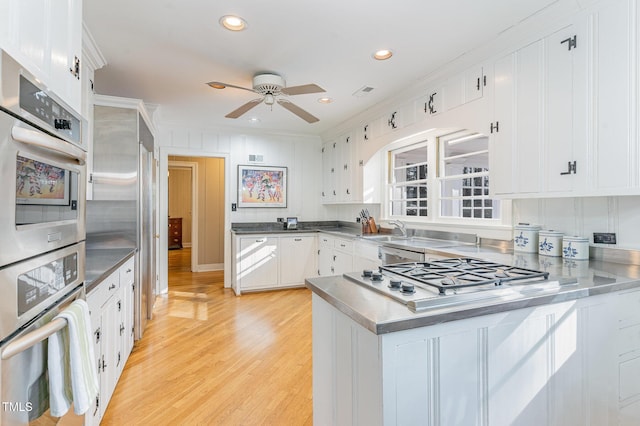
column 363, row 91
column 256, row 158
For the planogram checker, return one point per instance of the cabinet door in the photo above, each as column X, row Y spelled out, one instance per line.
column 258, row 262
column 501, row 129
column 66, row 50
column 615, row 56
column 111, row 350
column 528, row 122
column 325, row 261
column 475, row 82
column 297, row 259
column 342, row 262
column 329, row 173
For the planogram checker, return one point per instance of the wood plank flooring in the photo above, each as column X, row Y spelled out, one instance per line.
column 211, row 358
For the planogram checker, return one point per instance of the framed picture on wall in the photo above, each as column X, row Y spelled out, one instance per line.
column 262, row 186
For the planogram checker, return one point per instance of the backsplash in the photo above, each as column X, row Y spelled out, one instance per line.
column 584, row 216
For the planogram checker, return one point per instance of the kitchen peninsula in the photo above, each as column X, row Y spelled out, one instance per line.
column 563, row 355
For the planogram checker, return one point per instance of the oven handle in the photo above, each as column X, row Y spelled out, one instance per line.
column 23, row 343
column 43, row 140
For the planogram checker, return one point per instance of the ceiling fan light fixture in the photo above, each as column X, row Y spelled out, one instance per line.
column 269, row 99
column 382, row 54
column 233, row 23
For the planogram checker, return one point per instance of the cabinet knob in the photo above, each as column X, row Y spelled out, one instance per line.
column 112, row 286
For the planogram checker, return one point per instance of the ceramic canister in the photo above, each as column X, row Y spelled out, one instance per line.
column 576, row 248
column 550, row 243
column 525, row 238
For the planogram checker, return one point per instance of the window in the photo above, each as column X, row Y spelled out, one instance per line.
column 464, row 178
column 409, row 181
column 447, row 180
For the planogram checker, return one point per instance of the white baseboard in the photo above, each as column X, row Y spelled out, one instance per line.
column 209, row 267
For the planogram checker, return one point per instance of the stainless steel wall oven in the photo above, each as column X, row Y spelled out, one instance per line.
column 42, row 223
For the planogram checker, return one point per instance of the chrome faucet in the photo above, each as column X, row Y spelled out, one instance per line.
column 399, row 225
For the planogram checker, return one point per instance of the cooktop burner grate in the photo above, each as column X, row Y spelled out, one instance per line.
column 449, row 274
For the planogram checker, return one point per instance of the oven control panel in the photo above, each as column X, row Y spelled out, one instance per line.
column 39, row 103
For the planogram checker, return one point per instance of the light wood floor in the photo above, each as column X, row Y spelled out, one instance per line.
column 211, row 358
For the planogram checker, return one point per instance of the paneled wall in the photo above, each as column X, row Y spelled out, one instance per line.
column 299, row 153
column 584, row 216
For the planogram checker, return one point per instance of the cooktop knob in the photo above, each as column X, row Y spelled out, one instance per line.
column 376, row 276
column 408, row 288
column 367, row 273
column 395, row 284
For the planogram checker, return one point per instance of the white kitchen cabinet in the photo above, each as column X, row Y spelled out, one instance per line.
column 258, row 263
column 297, row 259
column 46, row 37
column 538, row 139
column 273, row 261
column 335, row 255
column 615, row 96
column 111, row 312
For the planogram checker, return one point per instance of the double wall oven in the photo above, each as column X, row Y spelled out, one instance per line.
column 42, row 223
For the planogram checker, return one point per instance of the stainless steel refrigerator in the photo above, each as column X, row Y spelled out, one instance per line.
column 121, row 211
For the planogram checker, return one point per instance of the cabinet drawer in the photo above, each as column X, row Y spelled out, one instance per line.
column 628, row 308
column 127, row 272
column 326, row 241
column 343, row 245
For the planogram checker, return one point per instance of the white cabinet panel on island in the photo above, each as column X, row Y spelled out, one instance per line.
column 554, row 364
column 271, row 261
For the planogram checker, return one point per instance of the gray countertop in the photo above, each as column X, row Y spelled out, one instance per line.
column 102, row 262
column 381, row 314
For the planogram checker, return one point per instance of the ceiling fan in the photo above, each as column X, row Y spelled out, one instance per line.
column 272, row 88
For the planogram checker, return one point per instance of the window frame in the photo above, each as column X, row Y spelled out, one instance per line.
column 435, row 164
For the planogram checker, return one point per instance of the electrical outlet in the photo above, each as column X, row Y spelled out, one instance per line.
column 280, row 220
column 233, row 207
column 604, row 238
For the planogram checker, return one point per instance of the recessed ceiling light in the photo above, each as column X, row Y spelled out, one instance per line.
column 325, row 100
column 233, row 23
column 383, row 54
column 254, row 120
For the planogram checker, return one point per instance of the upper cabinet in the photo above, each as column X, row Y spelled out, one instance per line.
column 538, row 135
column 46, row 37
column 564, row 122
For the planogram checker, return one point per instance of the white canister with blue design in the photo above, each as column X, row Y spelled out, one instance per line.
column 576, row 248
column 525, row 238
column 550, row 243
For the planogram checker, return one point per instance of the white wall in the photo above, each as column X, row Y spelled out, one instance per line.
column 300, row 154
column 584, row 216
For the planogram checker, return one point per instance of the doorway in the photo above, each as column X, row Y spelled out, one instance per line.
column 196, row 196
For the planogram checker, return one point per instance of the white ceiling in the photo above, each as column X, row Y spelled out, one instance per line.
column 164, row 51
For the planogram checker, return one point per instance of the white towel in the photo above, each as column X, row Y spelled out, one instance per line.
column 71, row 362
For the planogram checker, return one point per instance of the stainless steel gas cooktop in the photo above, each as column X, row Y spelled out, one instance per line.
column 446, row 282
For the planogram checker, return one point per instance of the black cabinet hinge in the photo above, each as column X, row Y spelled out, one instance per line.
column 75, row 68
column 495, row 127
column 392, row 121
column 432, row 108
column 572, row 42
column 572, row 167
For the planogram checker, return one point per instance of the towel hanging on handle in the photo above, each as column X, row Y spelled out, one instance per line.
column 71, row 362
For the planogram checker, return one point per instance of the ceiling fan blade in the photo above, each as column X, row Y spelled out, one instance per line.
column 244, row 108
column 302, row 90
column 298, row 111
column 220, row 85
